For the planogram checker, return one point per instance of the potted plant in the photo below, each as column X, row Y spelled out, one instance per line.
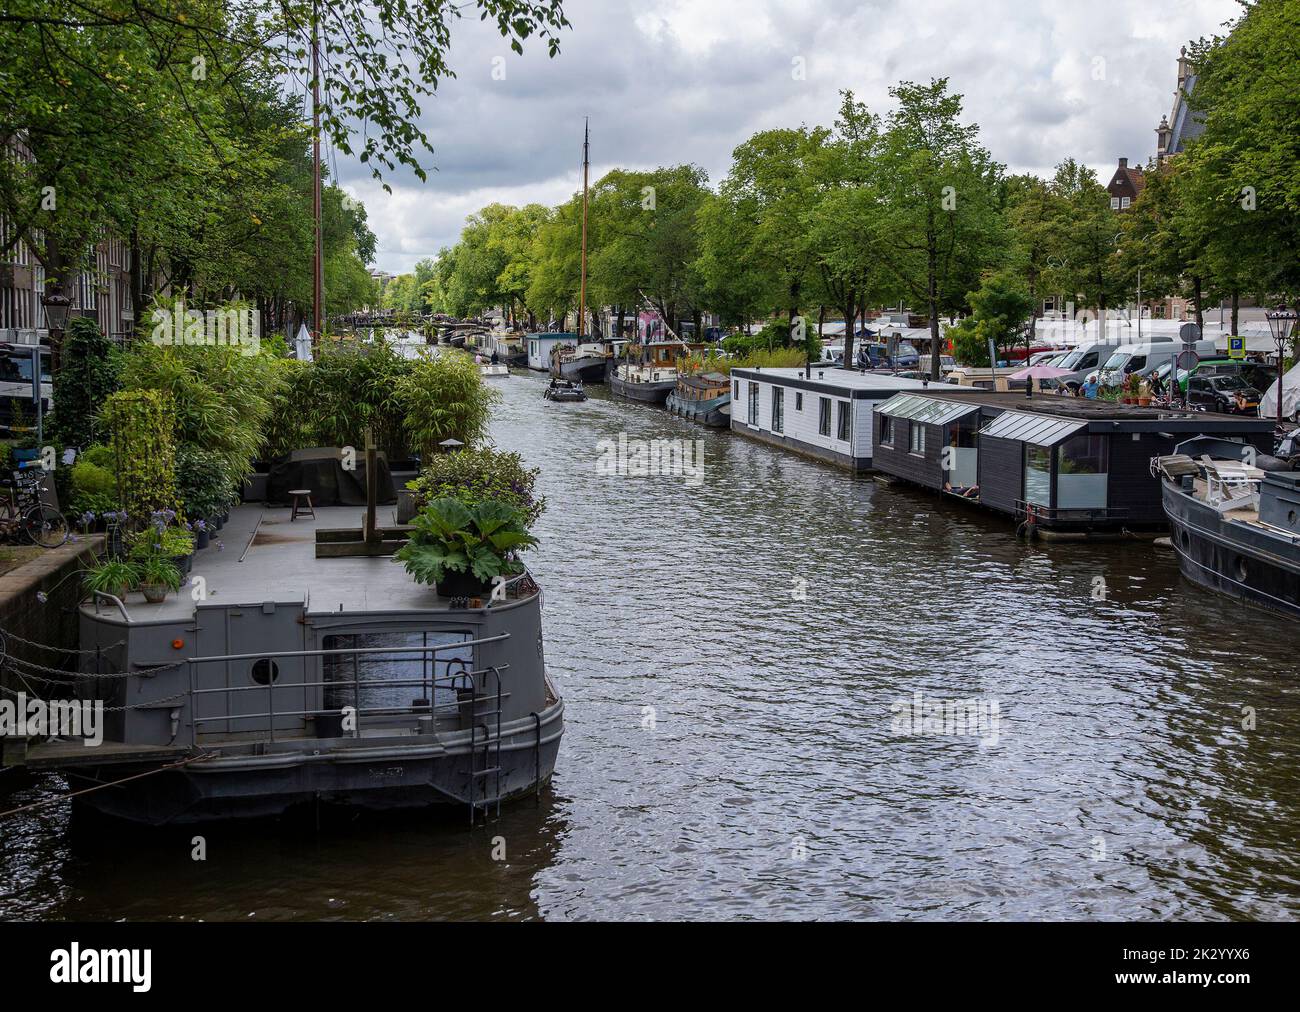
column 171, row 542
column 1144, row 394
column 463, row 548
column 1132, row 384
column 112, row 576
column 158, row 575
column 202, row 536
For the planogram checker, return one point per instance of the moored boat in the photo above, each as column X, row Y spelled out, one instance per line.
column 703, row 398
column 1236, row 524
column 584, row 363
column 347, row 684
column 650, row 384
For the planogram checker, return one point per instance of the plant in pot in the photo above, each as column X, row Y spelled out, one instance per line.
column 463, row 548
column 170, row 542
column 158, row 575
column 202, row 536
column 1132, row 384
column 112, row 576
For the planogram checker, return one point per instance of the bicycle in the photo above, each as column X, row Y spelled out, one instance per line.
column 25, row 511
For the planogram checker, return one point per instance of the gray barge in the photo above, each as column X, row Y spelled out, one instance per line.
column 1236, row 526
column 278, row 678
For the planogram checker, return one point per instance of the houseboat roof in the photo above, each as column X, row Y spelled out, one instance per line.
column 1097, row 415
column 280, row 566
column 846, row 382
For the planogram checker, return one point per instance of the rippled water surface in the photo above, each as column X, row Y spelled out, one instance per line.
column 730, row 752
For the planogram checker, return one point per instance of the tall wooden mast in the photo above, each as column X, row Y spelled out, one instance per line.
column 318, row 266
column 586, row 165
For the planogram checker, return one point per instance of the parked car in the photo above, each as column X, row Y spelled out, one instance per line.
column 1144, row 359
column 946, row 364
column 1083, row 360
column 1227, row 394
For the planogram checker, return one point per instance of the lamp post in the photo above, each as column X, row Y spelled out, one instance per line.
column 56, row 317
column 1281, row 322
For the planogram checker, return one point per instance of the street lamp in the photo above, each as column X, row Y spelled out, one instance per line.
column 1281, row 322
column 56, row 316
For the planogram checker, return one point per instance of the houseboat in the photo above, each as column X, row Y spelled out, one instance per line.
column 541, row 347
column 296, row 672
column 704, row 398
column 509, row 348
column 649, row 373
column 822, row 412
column 1235, row 526
column 1064, row 465
column 582, row 363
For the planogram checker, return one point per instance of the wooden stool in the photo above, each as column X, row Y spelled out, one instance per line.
column 300, row 494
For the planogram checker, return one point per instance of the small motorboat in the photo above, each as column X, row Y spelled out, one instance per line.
column 565, row 390
column 494, row 370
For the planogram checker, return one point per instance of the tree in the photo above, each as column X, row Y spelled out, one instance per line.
column 941, row 224
column 1089, row 240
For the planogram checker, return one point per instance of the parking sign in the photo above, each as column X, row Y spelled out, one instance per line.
column 1236, row 347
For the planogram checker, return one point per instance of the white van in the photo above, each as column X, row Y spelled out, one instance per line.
column 1144, row 359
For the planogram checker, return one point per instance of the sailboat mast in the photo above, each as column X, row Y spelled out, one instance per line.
column 586, row 165
column 317, row 267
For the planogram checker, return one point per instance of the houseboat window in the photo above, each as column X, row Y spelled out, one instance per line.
column 1081, row 473
column 798, row 400
column 265, row 671
column 1038, row 475
column 753, row 403
column 886, row 430
column 365, row 680
column 735, row 390
column 824, row 415
column 842, row 421
column 916, row 438
column 778, row 409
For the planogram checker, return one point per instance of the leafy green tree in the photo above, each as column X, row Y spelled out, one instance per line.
column 941, row 208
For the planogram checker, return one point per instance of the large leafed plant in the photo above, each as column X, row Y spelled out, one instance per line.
column 482, row 540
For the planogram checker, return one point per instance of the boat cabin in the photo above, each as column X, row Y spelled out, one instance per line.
column 1067, row 464
column 542, row 346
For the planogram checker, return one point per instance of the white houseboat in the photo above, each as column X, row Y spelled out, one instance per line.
column 822, row 412
column 541, row 347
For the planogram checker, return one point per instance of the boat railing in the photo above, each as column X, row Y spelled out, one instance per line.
column 464, row 678
column 1028, row 510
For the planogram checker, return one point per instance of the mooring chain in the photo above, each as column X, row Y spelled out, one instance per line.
column 147, row 704
column 5, row 634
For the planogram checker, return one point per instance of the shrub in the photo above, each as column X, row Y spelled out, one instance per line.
column 476, row 475
column 332, row 400
column 201, row 481
column 222, row 397
column 88, row 373
column 141, row 423
column 445, row 398
column 100, row 455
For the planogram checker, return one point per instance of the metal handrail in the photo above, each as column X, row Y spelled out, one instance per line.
column 451, row 681
column 219, row 658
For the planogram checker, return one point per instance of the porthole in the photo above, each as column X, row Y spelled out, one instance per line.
column 265, row 671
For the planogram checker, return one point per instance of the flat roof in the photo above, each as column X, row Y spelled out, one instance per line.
column 1094, row 410
column 844, row 382
column 281, row 566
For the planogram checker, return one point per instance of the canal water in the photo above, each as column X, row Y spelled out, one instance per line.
column 740, row 656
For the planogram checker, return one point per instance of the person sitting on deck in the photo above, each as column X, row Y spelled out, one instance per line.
column 495, row 357
column 1090, row 387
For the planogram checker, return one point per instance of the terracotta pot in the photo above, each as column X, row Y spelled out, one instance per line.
column 154, row 594
column 1144, row 401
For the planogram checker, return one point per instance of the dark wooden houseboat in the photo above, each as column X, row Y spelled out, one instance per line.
column 1062, row 464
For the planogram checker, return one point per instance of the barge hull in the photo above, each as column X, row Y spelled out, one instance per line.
column 1240, row 564
column 647, row 393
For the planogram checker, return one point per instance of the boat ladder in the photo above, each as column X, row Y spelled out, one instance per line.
column 485, row 764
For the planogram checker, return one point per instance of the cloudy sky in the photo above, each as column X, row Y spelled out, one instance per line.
column 671, row 81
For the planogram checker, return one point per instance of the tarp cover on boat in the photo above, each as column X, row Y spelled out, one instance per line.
column 321, row 470
column 1290, row 396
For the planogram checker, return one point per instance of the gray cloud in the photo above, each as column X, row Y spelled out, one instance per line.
column 669, row 81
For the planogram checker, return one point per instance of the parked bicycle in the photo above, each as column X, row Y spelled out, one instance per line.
column 25, row 513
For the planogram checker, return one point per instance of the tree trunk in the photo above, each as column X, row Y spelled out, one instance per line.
column 1196, row 290
column 932, row 300
column 1236, row 309
column 850, row 332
